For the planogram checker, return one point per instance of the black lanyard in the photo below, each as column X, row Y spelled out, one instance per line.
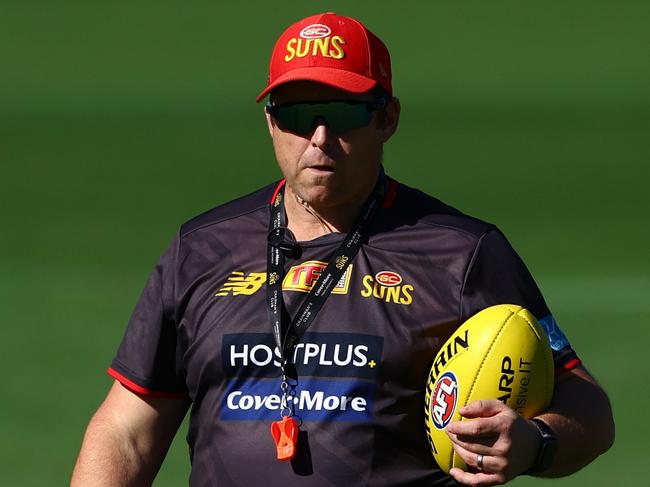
column 287, row 335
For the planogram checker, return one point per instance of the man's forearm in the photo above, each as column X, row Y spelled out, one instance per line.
column 127, row 439
column 581, row 418
column 109, row 458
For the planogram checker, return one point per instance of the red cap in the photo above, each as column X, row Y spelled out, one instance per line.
column 331, row 49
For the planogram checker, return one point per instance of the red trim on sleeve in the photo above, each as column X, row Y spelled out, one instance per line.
column 571, row 364
column 277, row 190
column 133, row 387
column 391, row 193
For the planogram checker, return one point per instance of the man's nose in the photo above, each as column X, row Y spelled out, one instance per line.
column 320, row 137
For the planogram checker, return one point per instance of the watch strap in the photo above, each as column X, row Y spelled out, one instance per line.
column 547, row 448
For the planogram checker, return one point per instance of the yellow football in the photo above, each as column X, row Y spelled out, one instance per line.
column 499, row 353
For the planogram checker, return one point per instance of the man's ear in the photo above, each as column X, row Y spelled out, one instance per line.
column 389, row 119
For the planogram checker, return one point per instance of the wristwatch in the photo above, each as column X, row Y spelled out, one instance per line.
column 547, row 449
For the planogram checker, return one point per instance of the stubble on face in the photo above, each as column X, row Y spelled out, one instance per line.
column 325, row 170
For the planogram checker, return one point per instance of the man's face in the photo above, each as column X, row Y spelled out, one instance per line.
column 325, row 169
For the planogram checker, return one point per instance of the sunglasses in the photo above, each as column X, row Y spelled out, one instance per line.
column 339, row 116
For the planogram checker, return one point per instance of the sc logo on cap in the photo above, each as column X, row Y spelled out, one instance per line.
column 315, row 31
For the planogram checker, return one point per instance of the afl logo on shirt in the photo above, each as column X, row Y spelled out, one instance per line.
column 444, row 398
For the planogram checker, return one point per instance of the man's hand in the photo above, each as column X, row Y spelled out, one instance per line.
column 507, row 441
column 580, row 416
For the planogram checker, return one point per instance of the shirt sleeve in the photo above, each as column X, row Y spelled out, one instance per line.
column 148, row 360
column 497, row 275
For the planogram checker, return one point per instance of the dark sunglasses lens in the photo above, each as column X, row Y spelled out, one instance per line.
column 343, row 117
column 340, row 117
column 290, row 118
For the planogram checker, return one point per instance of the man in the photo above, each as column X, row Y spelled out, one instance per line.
column 299, row 322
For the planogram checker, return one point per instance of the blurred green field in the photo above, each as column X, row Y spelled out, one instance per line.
column 121, row 120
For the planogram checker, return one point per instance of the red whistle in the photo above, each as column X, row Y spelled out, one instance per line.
column 285, row 434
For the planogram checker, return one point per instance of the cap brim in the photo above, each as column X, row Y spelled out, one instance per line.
column 336, row 78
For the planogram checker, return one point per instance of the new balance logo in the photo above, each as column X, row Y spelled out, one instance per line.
column 239, row 283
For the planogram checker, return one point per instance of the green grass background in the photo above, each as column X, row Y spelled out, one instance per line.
column 120, row 120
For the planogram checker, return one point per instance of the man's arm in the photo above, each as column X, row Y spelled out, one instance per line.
column 127, row 439
column 582, row 420
column 580, row 416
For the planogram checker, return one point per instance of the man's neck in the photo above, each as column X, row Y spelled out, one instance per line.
column 308, row 222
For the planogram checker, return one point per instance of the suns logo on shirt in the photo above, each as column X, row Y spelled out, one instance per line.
column 387, row 286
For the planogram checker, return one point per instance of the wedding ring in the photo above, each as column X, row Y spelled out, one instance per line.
column 479, row 462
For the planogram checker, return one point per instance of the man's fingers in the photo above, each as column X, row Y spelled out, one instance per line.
column 482, row 408
column 477, row 479
column 476, row 428
column 489, row 463
column 469, row 457
column 484, row 445
column 484, row 476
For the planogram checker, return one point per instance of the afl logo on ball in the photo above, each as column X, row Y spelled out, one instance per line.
column 443, row 400
column 315, row 31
